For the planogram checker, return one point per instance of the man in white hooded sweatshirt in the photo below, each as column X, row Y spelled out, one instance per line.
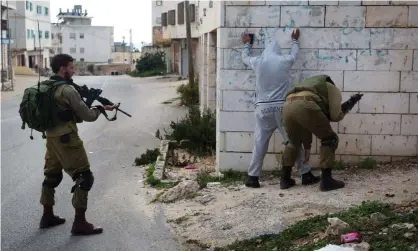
column 273, row 81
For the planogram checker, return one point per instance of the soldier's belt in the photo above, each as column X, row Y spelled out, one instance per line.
column 306, row 98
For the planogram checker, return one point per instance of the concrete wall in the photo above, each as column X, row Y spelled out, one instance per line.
column 365, row 46
column 157, row 8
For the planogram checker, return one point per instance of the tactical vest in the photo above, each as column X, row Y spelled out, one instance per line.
column 316, row 84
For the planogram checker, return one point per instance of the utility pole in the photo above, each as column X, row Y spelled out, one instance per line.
column 130, row 47
column 9, row 53
column 189, row 44
column 1, row 48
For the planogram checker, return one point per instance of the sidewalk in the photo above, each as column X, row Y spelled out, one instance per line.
column 19, row 86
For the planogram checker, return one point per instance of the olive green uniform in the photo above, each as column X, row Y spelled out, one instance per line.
column 309, row 108
column 65, row 150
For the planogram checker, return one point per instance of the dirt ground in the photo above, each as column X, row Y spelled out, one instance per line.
column 221, row 215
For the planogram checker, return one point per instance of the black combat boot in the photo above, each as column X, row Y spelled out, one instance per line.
column 81, row 226
column 49, row 219
column 309, row 179
column 252, row 182
column 328, row 183
column 286, row 181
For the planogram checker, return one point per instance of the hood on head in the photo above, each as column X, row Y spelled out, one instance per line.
column 272, row 48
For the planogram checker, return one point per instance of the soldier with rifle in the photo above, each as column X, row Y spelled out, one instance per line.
column 309, row 108
column 54, row 107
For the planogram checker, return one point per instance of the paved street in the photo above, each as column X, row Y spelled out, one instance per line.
column 111, row 147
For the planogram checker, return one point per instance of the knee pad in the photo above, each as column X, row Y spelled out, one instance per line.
column 331, row 142
column 84, row 181
column 52, row 180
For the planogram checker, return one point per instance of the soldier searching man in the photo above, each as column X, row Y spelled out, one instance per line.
column 309, row 108
column 273, row 81
column 65, row 150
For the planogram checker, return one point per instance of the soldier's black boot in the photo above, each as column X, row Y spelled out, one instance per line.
column 328, row 183
column 81, row 226
column 252, row 182
column 286, row 181
column 49, row 219
column 309, row 179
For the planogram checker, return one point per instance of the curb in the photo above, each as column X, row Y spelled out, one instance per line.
column 160, row 163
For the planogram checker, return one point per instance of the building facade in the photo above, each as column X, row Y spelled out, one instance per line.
column 6, row 71
column 365, row 46
column 75, row 35
column 30, row 28
column 157, row 32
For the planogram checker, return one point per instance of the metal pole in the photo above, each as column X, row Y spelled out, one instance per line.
column 9, row 53
column 189, row 44
column 130, row 46
column 1, row 46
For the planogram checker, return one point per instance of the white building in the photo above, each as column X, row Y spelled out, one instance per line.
column 6, row 41
column 74, row 35
column 30, row 28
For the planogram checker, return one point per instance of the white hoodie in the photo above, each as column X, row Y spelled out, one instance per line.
column 272, row 70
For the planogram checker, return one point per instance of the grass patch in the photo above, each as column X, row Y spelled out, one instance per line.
column 368, row 163
column 150, row 156
column 338, row 165
column 229, row 177
column 166, row 185
column 150, row 176
column 300, row 236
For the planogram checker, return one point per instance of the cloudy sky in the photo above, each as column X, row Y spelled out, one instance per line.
column 122, row 15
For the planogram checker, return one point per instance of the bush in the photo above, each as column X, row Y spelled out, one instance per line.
column 150, row 156
column 189, row 94
column 152, row 62
column 198, row 129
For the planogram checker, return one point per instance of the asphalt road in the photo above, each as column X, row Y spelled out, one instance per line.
column 114, row 203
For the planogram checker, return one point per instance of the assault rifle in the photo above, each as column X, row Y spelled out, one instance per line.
column 349, row 104
column 91, row 94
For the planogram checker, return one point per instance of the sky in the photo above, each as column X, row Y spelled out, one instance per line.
column 122, row 15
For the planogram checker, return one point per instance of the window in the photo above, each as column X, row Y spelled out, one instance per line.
column 192, row 12
column 46, row 34
column 171, row 17
column 46, row 11
column 40, row 34
column 38, row 9
column 164, row 19
column 158, row 3
column 158, row 20
column 28, row 33
column 180, row 13
column 81, row 35
column 32, row 33
column 73, row 50
column 52, row 35
column 31, row 7
column 72, row 35
column 81, row 50
column 82, row 59
column 27, row 5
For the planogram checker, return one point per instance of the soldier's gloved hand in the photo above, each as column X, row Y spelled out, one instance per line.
column 100, row 108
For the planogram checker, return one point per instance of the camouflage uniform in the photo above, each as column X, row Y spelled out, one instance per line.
column 309, row 108
column 65, row 152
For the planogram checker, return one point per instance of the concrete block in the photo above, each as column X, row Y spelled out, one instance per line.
column 248, row 16
column 354, row 144
column 287, row 2
column 233, row 60
column 240, row 161
column 377, row 81
column 384, row 60
column 370, row 124
column 409, row 81
column 337, row 60
column 346, row 3
column 409, row 125
column 415, row 63
column 234, row 3
column 394, row 145
column 413, row 103
column 345, row 16
column 336, row 76
column 317, row 2
column 387, row 16
column 304, row 16
column 394, row 38
column 236, row 121
column 408, row 2
column 211, row 93
column 243, row 142
column 413, row 16
column 306, row 60
column 221, row 140
column 212, row 80
column 366, row 2
column 384, row 103
column 238, row 101
column 354, row 38
column 237, row 80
